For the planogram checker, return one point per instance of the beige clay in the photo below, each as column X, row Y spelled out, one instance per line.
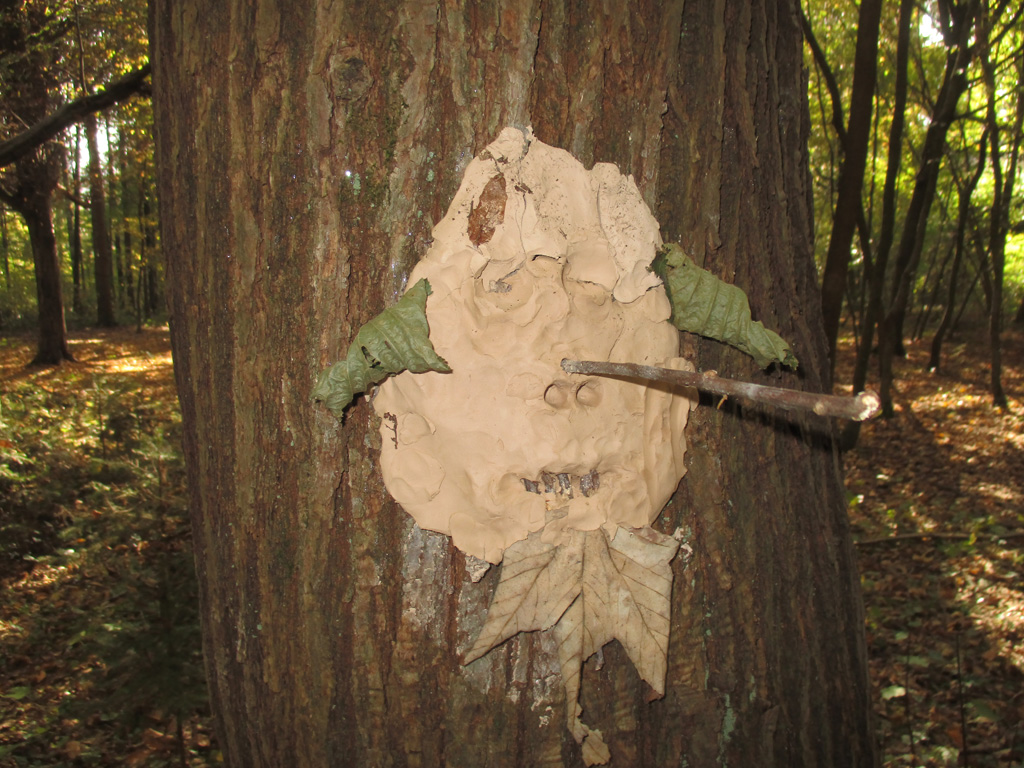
column 507, row 443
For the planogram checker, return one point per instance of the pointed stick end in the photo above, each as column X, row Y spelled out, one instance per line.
column 870, row 404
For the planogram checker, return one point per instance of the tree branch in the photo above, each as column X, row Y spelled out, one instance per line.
column 858, row 408
column 838, row 121
column 15, row 148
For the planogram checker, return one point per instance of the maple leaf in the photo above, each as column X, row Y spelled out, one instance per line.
column 538, row 582
column 593, row 588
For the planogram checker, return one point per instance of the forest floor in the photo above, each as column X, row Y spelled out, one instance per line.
column 937, row 509
column 99, row 644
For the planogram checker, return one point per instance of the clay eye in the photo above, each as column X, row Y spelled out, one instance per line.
column 589, row 394
column 557, row 395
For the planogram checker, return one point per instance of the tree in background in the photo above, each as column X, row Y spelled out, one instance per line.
column 304, row 153
column 854, row 140
column 51, row 51
column 107, row 35
column 932, row 77
column 1004, row 148
column 29, row 93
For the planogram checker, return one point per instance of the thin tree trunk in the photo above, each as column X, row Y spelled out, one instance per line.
column 877, row 274
column 1002, row 197
column 128, row 264
column 851, row 174
column 102, row 257
column 934, row 279
column 304, row 152
column 139, row 298
column 5, row 246
column 890, row 330
column 115, row 210
column 932, row 282
column 963, row 216
column 77, row 272
column 150, row 245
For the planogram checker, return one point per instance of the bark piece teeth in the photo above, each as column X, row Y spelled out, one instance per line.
column 564, row 485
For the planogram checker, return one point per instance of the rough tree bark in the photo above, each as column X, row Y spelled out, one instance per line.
column 304, row 153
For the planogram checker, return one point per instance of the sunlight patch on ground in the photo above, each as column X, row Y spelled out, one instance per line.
column 996, row 606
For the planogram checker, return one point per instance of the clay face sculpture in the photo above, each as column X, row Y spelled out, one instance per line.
column 537, row 260
column 558, row 476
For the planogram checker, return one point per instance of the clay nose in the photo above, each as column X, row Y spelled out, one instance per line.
column 569, row 394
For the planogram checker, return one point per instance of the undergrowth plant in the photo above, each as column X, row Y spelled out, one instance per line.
column 92, row 496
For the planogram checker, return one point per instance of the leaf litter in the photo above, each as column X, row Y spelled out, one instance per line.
column 100, row 660
column 937, row 510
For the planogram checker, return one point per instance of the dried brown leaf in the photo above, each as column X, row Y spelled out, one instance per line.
column 538, row 582
column 594, row 588
column 489, row 211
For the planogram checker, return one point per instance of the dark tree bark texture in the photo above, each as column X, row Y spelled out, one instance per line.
column 305, row 152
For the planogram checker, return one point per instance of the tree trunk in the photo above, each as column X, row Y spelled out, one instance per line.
column 304, row 153
column 53, row 347
column 36, row 178
column 965, row 191
column 150, row 257
column 5, row 247
column 30, row 179
column 876, row 275
column 103, row 260
column 75, row 233
column 1002, row 198
column 954, row 83
column 851, row 174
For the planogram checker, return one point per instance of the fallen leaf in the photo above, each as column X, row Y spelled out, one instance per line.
column 893, row 692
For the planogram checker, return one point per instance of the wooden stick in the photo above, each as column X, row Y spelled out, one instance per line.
column 857, row 408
